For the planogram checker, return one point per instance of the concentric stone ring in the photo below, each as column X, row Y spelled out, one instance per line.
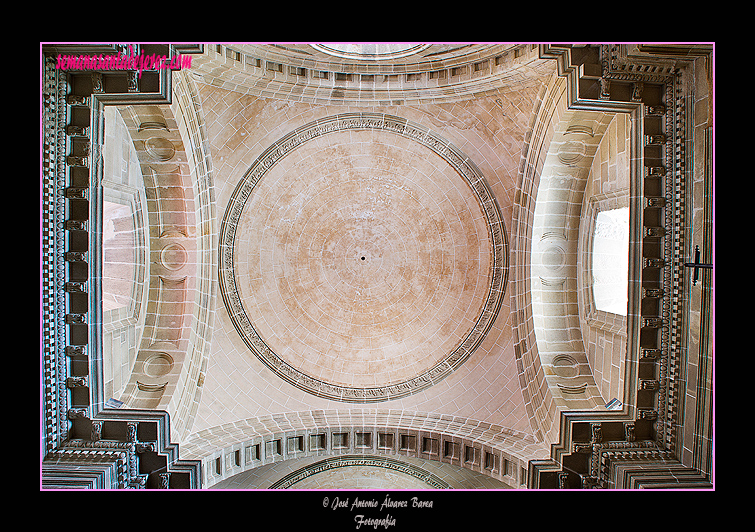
column 362, row 258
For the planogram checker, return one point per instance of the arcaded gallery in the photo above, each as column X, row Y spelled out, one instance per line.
column 377, row 266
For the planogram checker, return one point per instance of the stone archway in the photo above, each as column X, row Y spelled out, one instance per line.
column 498, row 452
column 172, row 354
column 554, row 371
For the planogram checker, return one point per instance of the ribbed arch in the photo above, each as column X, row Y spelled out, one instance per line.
column 492, row 450
column 172, row 353
column 554, row 371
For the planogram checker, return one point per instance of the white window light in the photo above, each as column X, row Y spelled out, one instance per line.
column 610, row 257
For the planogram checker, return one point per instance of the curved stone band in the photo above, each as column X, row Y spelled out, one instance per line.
column 382, row 462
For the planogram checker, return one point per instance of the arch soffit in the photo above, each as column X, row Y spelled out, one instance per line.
column 169, row 141
column 562, row 145
column 492, row 450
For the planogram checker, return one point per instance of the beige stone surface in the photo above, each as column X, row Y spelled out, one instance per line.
column 364, row 262
column 400, row 184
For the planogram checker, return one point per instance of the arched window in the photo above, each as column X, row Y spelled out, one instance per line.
column 610, row 256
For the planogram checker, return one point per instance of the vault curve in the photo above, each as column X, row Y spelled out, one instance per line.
column 493, row 258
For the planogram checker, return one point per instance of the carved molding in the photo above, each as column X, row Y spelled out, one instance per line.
column 364, row 461
column 78, row 450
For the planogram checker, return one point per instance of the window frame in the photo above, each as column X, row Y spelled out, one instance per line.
column 594, row 317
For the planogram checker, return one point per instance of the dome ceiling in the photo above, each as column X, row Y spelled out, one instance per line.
column 362, row 253
column 367, row 263
column 321, row 289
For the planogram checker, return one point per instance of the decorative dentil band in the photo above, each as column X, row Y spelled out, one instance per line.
column 363, row 461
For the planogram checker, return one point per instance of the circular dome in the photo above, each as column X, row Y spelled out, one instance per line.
column 362, row 266
column 370, row 51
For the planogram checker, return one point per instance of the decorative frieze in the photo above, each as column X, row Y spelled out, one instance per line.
column 75, row 350
column 655, row 110
column 382, row 462
column 77, row 382
column 655, row 232
column 629, row 431
column 655, row 140
column 650, row 415
column 76, row 225
column 655, row 171
column 75, row 318
column 651, row 354
column 76, row 287
column 96, row 434
column 654, row 292
column 654, row 262
column 648, row 385
column 77, row 131
column 655, row 202
column 78, row 100
column 78, row 413
column 653, row 322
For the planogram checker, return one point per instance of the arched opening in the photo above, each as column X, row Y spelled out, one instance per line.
column 610, row 255
column 125, row 269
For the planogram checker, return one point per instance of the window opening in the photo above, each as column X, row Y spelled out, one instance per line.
column 610, row 258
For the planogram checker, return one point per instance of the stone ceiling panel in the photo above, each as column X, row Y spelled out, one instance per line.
column 360, row 267
column 490, row 130
column 370, row 267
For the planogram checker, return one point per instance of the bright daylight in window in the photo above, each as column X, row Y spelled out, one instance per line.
column 610, row 256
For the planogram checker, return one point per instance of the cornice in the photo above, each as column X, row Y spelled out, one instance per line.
column 607, row 79
column 86, row 444
column 276, row 72
column 492, row 450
